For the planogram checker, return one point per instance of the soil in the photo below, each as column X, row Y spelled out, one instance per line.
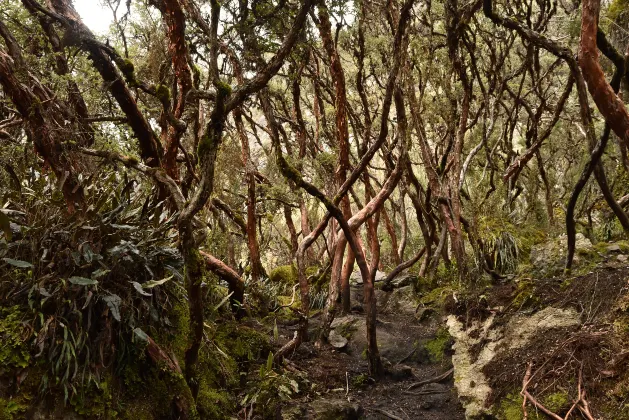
column 596, row 348
column 388, row 397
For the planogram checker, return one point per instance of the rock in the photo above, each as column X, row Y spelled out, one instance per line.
column 293, row 412
column 613, row 249
column 422, row 313
column 390, row 346
column 344, row 321
column 469, row 379
column 356, row 277
column 400, row 372
column 551, row 255
column 336, row 410
column 337, row 341
column 402, row 280
column 622, row 258
column 401, row 300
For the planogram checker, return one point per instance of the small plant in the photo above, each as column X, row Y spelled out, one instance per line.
column 271, row 388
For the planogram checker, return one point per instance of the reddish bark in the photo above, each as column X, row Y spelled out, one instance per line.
column 342, row 130
column 607, row 102
column 175, row 23
column 39, row 108
column 218, row 267
column 100, row 56
column 288, row 216
column 252, row 239
column 395, row 257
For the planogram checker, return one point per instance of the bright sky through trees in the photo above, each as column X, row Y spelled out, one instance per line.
column 96, row 16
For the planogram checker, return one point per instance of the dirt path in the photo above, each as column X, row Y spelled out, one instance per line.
column 402, row 341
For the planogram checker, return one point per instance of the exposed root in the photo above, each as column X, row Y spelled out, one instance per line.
column 387, row 414
column 581, row 403
column 432, row 380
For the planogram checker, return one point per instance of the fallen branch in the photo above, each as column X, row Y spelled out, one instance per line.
column 387, row 414
column 525, row 382
column 428, row 392
column 432, row 380
column 408, row 356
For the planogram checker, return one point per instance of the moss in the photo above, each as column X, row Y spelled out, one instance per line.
column 437, row 297
column 244, row 343
column 360, row 381
column 223, row 89
column 214, row 404
column 206, row 143
column 617, row 8
column 511, row 408
column 128, row 70
column 11, row 409
column 437, row 347
column 162, row 92
column 347, row 329
column 14, row 352
column 284, row 274
column 557, row 401
column 524, row 295
column 95, row 401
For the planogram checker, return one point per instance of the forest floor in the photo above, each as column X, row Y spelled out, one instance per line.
column 344, row 389
column 418, row 348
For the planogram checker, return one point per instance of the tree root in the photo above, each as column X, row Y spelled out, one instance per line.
column 581, row 402
column 432, row 380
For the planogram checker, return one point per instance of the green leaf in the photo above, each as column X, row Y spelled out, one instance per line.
column 276, row 333
column 141, row 335
column 100, row 273
column 18, row 263
column 139, row 288
column 269, row 362
column 152, row 283
column 222, row 302
column 82, row 281
column 5, row 226
column 113, row 301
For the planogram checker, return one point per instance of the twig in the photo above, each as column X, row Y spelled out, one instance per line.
column 425, row 392
column 387, row 414
column 408, row 356
column 541, row 407
column 291, row 301
column 432, row 380
column 347, row 383
column 525, row 382
column 526, row 395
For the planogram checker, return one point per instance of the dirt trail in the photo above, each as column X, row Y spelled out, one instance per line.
column 402, row 339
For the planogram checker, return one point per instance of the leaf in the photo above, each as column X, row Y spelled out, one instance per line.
column 139, row 288
column 5, row 226
column 152, row 283
column 123, row 227
column 82, row 281
column 113, row 301
column 18, row 263
column 175, row 272
column 141, row 335
column 276, row 333
column 222, row 302
column 100, row 273
column 294, row 384
column 269, row 362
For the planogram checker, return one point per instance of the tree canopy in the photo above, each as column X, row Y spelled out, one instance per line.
column 173, row 164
